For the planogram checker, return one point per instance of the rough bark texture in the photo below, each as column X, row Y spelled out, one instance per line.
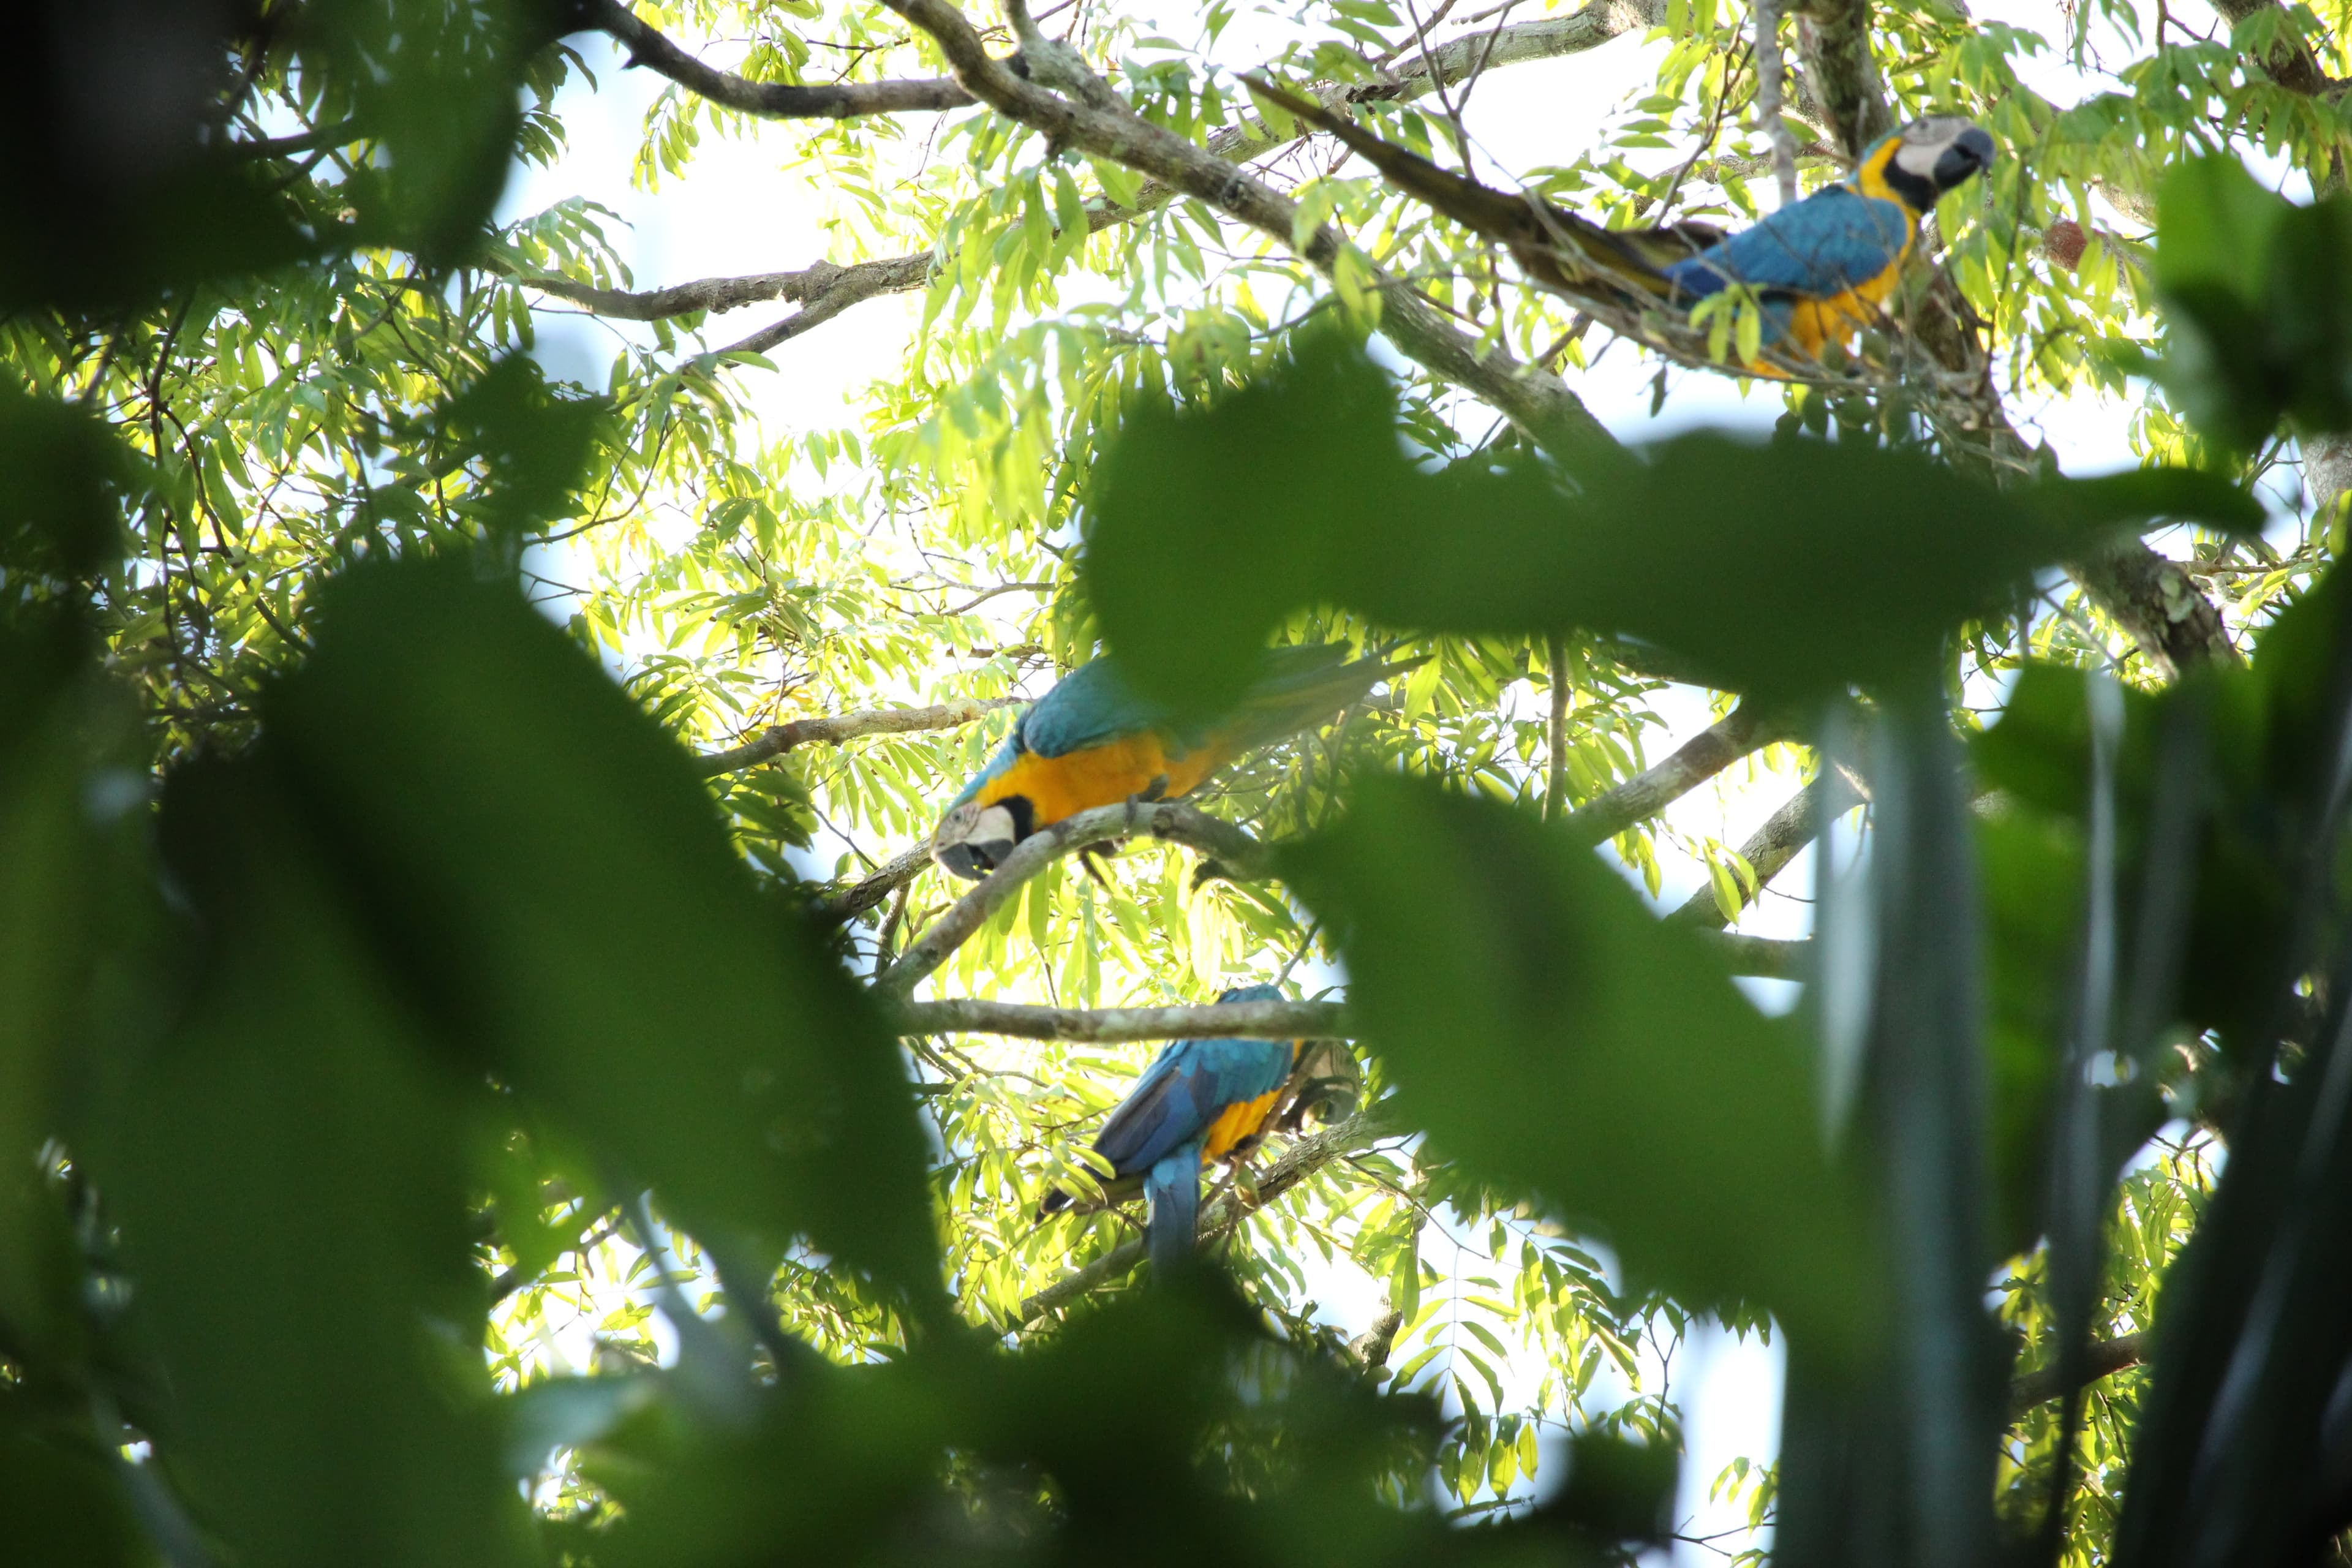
column 1840, row 76
column 834, row 728
column 769, row 100
column 2289, row 63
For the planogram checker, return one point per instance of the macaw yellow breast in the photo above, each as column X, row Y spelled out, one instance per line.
column 1236, row 1124
column 1056, row 787
column 1814, row 325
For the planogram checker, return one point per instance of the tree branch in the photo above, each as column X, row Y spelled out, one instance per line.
column 838, row 727
column 811, row 286
column 833, row 909
column 2105, row 1358
column 1738, row 734
column 1769, row 957
column 1532, row 398
column 2152, row 597
column 770, row 101
column 1283, row 1020
column 1240, row 855
column 1833, row 42
column 1762, row 957
column 1771, row 847
column 335, row 135
column 2289, row 63
column 1301, row 1160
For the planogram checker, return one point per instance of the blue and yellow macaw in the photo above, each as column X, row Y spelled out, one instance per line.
column 1819, row 268
column 1200, row 1103
column 1092, row 741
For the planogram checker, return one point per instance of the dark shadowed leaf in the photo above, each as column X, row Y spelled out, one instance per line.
column 1163, row 1429
column 1555, row 1038
column 560, row 898
column 118, row 182
column 1618, row 1491
column 437, row 83
column 534, row 441
column 289, row 1175
column 57, row 518
column 77, row 911
column 2251, row 285
column 64, row 1501
column 2244, row 1454
column 1297, row 490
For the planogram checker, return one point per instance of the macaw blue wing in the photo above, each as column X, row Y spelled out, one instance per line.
column 1162, row 1111
column 1092, row 706
column 1832, row 242
column 1198, row 1100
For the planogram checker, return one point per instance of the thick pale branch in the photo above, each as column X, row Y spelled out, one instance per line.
column 1293, row 1165
column 838, row 727
column 1174, row 821
column 811, row 286
column 1767, row 957
column 769, row 100
column 877, row 278
column 1738, row 732
column 1283, row 1020
column 1764, row 957
column 2152, row 597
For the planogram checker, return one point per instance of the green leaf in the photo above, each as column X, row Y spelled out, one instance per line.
column 59, row 514
column 439, row 88
column 289, row 1175
column 1212, row 524
column 534, row 441
column 562, row 901
column 2252, row 286
column 1556, row 1039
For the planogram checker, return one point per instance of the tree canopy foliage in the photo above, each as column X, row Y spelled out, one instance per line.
column 415, row 997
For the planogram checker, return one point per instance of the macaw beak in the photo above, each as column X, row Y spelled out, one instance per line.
column 1970, row 152
column 973, row 841
column 973, row 859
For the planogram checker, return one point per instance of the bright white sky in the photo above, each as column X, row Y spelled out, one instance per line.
column 735, row 211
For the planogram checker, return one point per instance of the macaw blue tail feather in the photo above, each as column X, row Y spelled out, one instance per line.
column 1173, row 1188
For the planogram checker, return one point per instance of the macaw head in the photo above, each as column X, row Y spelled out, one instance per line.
column 1928, row 157
column 973, row 838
